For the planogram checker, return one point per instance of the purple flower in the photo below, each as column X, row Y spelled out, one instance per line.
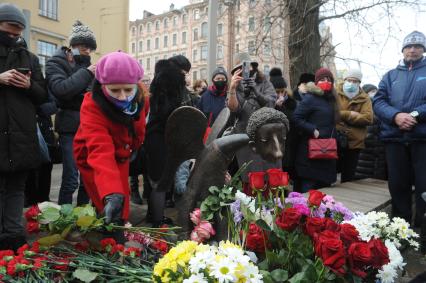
column 302, row 209
column 295, row 195
column 345, row 212
column 236, row 211
column 278, row 203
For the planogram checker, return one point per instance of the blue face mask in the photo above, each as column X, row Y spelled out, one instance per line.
column 350, row 89
column 123, row 105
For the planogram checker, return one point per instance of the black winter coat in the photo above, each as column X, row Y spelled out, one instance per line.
column 68, row 82
column 372, row 159
column 19, row 147
column 315, row 111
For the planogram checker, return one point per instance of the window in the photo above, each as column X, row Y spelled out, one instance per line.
column 140, row 46
column 203, row 73
column 140, row 29
column 157, row 25
column 175, row 19
column 267, row 24
column 133, row 31
column 252, row 3
column 266, row 69
column 237, row 27
column 174, row 39
column 184, row 18
column 166, row 23
column 251, row 26
column 148, row 27
column 194, row 76
column 140, row 62
column 266, row 48
column 219, row 29
column 157, row 43
column 166, row 39
column 219, row 52
column 148, row 44
column 194, row 55
column 238, row 4
column 45, row 50
column 195, row 37
column 133, row 47
column 148, row 64
column 204, row 30
column 203, row 52
column 220, row 9
column 251, row 48
column 184, row 37
column 237, row 48
column 196, row 14
column 48, row 8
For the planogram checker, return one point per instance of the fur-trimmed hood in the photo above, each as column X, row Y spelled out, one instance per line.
column 312, row 88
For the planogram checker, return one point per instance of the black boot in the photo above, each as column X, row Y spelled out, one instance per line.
column 135, row 197
column 16, row 243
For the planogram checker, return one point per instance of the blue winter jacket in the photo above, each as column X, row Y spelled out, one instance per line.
column 402, row 90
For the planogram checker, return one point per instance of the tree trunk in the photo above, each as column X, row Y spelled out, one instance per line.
column 304, row 38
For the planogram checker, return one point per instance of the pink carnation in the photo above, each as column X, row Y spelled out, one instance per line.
column 195, row 216
column 203, row 231
column 302, row 209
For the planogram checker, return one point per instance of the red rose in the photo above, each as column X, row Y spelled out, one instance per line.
column 37, row 264
column 288, row 219
column 315, row 197
column 160, row 246
column 277, row 178
column 35, row 247
column 314, row 225
column 330, row 249
column 348, row 234
column 359, row 256
column 63, row 265
column 256, row 239
column 331, row 225
column 3, row 262
column 33, row 226
column 379, row 253
column 32, row 212
column 257, row 181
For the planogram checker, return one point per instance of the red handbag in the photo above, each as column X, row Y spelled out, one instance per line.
column 322, row 149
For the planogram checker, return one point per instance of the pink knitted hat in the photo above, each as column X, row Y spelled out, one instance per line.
column 118, row 68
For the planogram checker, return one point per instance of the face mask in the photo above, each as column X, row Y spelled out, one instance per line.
column 350, row 89
column 83, row 60
column 324, row 85
column 123, row 105
column 220, row 85
column 6, row 40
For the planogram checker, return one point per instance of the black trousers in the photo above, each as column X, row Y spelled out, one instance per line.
column 346, row 165
column 407, row 167
column 37, row 187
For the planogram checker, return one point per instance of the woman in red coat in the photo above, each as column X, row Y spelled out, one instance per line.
column 112, row 128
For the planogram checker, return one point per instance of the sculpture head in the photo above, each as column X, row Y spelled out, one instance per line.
column 267, row 129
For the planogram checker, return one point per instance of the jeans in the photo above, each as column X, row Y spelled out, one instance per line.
column 406, row 167
column 70, row 179
column 12, row 196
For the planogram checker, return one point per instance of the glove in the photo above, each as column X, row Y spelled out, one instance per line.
column 113, row 208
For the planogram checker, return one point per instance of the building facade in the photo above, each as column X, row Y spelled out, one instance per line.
column 50, row 23
column 243, row 26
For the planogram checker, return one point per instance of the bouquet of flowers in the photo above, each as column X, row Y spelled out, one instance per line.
column 190, row 262
column 112, row 263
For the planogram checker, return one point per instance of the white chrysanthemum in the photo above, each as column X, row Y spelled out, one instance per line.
column 251, row 274
column 200, row 260
column 196, row 278
column 245, row 199
column 266, row 216
column 387, row 274
column 252, row 256
column 223, row 269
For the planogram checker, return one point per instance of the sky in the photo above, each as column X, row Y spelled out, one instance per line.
column 377, row 50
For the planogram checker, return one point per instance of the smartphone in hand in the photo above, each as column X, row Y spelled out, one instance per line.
column 246, row 70
column 24, row 71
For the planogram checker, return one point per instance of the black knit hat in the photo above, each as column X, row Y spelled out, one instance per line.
column 81, row 34
column 182, row 62
column 368, row 87
column 220, row 71
column 276, row 78
column 306, row 78
column 11, row 13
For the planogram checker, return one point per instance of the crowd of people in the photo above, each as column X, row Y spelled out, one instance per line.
column 109, row 128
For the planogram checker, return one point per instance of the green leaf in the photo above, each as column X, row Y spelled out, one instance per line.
column 279, row 275
column 66, row 209
column 263, row 265
column 84, row 275
column 214, row 190
column 85, row 221
column 66, row 231
column 50, row 240
column 49, row 215
column 262, row 224
column 298, row 278
column 266, row 276
column 357, row 279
